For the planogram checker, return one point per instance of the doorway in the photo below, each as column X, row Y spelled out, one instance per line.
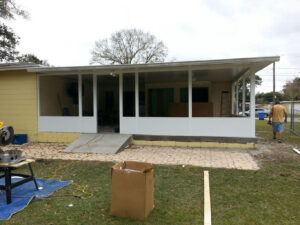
column 108, row 103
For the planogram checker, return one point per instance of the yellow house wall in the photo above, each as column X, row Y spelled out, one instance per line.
column 18, row 102
column 18, row 107
column 57, row 137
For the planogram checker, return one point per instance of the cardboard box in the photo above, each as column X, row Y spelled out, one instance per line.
column 132, row 190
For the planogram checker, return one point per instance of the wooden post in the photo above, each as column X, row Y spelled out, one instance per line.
column 207, row 205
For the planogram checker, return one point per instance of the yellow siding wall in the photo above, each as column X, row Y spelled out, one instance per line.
column 18, row 102
column 18, row 107
column 57, row 137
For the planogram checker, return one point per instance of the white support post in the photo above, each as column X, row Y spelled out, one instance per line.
column 252, row 95
column 232, row 98
column 95, row 96
column 80, row 95
column 190, row 94
column 244, row 96
column 136, row 94
column 120, row 96
column 38, row 95
column 237, row 98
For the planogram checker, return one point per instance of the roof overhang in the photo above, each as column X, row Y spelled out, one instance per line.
column 254, row 64
column 17, row 66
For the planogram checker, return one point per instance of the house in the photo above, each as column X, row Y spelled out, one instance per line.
column 175, row 99
column 292, row 106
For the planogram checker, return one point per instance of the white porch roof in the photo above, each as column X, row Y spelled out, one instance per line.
column 229, row 69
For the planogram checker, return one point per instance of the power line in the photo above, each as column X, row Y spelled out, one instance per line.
column 283, row 68
column 281, row 75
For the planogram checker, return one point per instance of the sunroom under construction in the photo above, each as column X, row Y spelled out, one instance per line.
column 193, row 98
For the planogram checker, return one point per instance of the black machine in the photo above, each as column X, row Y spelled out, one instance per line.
column 6, row 134
column 9, row 161
column 10, row 156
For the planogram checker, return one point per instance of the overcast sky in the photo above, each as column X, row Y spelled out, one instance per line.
column 64, row 31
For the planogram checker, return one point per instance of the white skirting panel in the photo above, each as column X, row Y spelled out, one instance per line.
column 68, row 124
column 204, row 126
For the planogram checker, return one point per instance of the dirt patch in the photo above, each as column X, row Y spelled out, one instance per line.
column 271, row 150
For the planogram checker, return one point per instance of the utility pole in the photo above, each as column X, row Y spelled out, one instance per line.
column 274, row 97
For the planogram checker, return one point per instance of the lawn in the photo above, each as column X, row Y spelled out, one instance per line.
column 270, row 195
column 264, row 130
column 178, row 196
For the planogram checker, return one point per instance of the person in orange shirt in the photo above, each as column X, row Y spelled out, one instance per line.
column 276, row 114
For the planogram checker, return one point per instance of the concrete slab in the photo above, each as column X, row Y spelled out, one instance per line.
column 99, row 143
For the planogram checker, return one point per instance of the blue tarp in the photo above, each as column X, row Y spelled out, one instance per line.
column 23, row 194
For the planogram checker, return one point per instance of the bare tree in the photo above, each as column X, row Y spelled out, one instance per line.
column 132, row 46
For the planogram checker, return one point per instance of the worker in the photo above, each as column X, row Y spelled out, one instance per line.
column 276, row 115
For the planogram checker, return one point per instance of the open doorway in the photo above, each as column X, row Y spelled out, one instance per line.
column 108, row 104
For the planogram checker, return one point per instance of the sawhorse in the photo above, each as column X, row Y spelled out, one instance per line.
column 8, row 186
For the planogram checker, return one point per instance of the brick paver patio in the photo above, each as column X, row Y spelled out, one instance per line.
column 204, row 157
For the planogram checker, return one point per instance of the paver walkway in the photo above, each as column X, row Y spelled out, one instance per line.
column 204, row 157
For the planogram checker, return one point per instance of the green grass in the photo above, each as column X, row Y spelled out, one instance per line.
column 178, row 196
column 264, row 130
column 270, row 195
